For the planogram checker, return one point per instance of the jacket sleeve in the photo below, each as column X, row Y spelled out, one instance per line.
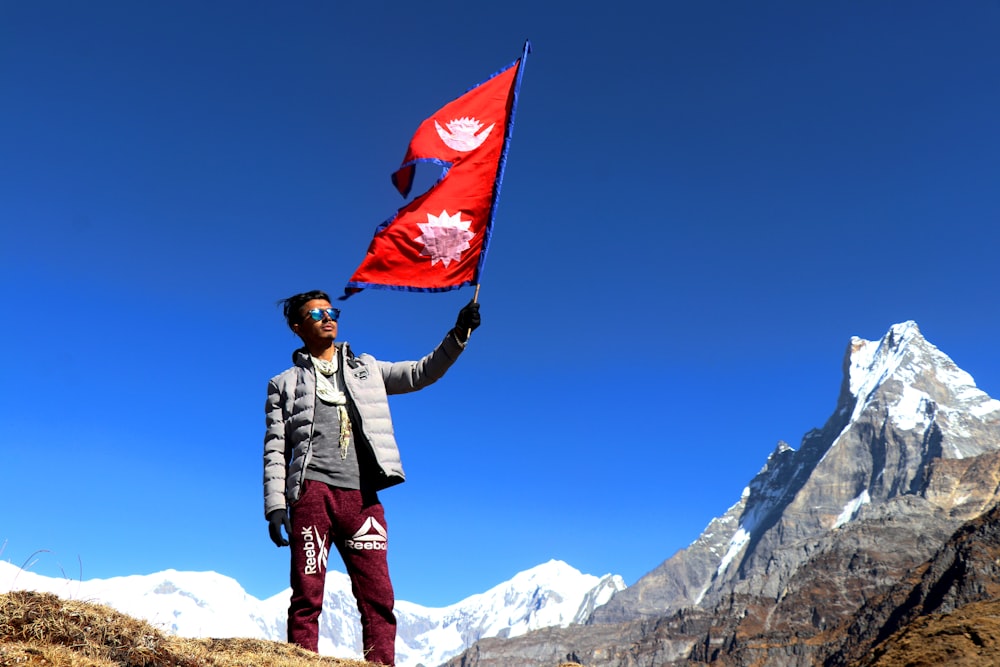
column 401, row 377
column 275, row 451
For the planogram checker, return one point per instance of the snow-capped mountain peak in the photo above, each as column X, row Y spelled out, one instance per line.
column 553, row 594
column 872, row 361
column 923, row 388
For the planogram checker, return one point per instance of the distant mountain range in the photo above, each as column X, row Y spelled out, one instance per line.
column 206, row 604
column 823, row 554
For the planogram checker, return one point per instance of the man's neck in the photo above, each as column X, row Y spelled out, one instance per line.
column 324, row 353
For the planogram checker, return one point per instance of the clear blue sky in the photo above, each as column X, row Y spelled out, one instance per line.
column 703, row 202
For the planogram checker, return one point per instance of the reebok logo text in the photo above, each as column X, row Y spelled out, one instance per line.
column 315, row 550
column 370, row 537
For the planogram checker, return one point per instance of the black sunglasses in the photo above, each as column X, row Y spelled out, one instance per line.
column 318, row 313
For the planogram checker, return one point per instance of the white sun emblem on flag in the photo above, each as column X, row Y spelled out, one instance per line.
column 445, row 237
column 461, row 134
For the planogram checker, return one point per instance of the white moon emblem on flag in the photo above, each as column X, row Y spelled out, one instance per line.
column 461, row 134
column 445, row 237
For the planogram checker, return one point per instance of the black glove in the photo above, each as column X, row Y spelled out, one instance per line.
column 468, row 321
column 275, row 520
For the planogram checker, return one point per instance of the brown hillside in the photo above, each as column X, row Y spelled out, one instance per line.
column 966, row 637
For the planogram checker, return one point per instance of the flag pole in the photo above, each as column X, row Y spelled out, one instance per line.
column 475, row 298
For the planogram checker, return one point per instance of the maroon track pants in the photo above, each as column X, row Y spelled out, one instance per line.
column 354, row 523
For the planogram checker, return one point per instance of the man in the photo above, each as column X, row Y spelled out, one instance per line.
column 328, row 449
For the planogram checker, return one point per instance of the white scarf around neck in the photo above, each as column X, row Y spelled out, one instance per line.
column 329, row 393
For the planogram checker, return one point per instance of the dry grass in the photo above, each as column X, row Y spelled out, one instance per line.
column 42, row 629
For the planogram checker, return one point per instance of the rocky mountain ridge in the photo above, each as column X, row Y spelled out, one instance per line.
column 910, row 453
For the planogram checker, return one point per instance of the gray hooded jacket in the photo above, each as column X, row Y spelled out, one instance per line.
column 291, row 403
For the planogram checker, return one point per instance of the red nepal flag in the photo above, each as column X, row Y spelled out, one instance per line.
column 438, row 241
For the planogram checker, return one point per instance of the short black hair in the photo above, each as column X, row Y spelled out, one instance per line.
column 292, row 306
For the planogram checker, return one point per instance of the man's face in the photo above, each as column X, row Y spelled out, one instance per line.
column 316, row 333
